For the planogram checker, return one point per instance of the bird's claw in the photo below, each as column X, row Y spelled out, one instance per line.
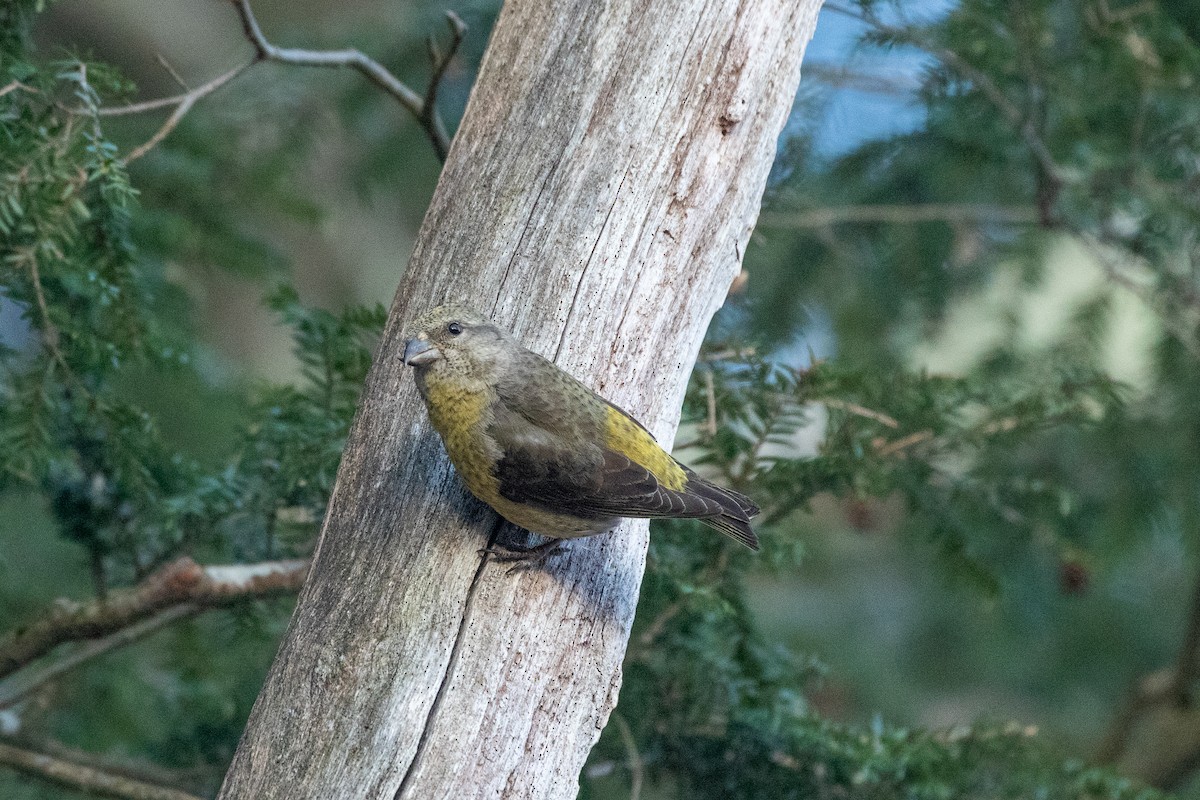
column 523, row 558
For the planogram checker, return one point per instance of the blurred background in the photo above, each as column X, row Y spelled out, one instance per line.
column 1000, row 197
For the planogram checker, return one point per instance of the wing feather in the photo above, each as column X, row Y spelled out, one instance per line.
column 562, row 469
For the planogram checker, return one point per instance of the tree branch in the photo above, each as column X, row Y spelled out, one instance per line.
column 1116, row 261
column 183, row 104
column 429, row 118
column 190, row 96
column 165, row 64
column 1022, row 123
column 13, row 86
column 49, row 330
column 17, row 687
column 637, row 767
column 844, row 77
column 185, row 779
column 394, row 675
column 84, row 778
column 181, row 582
column 859, row 411
column 1166, row 687
column 422, row 108
column 900, row 215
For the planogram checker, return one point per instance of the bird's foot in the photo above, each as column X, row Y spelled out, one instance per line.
column 522, row 557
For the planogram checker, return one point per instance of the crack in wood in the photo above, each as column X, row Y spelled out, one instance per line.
column 562, row 339
column 537, row 200
column 451, row 662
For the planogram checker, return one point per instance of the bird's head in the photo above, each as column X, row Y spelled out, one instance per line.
column 455, row 341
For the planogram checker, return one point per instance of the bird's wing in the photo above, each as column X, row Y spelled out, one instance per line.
column 573, row 466
column 540, row 466
column 568, row 450
column 578, row 476
column 613, row 487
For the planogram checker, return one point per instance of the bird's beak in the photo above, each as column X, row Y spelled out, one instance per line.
column 419, row 351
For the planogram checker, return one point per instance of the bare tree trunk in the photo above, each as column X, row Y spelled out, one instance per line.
column 597, row 200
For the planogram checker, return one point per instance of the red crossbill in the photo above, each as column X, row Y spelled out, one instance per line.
column 547, row 453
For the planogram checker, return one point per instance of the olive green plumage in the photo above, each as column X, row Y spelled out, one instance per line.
column 541, row 448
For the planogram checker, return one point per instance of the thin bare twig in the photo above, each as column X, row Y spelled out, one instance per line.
column 710, row 394
column 429, row 118
column 1115, row 262
column 49, row 329
column 859, row 411
column 162, row 60
column 83, row 778
column 900, row 215
column 659, row 624
column 1171, row 685
column 419, row 107
column 190, row 96
column 637, row 768
column 25, row 682
column 50, row 333
column 728, row 353
column 424, row 109
column 1024, row 125
column 355, row 59
column 181, row 582
column 185, row 103
column 187, row 779
column 12, row 86
column 844, row 77
column 903, row 443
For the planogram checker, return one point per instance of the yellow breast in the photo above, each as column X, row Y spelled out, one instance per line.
column 462, row 417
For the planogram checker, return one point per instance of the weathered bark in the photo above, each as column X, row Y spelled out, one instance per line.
column 597, row 200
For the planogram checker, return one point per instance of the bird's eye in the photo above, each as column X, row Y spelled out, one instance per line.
column 454, row 328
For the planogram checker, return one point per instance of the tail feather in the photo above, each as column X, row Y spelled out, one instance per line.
column 737, row 529
column 736, row 510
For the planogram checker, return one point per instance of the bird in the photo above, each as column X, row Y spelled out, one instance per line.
column 542, row 449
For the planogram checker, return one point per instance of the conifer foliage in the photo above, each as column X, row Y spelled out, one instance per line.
column 1044, row 122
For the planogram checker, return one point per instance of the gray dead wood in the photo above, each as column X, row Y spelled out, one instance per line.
column 597, row 200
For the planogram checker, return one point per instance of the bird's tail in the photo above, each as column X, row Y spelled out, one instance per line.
column 733, row 527
column 736, row 511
